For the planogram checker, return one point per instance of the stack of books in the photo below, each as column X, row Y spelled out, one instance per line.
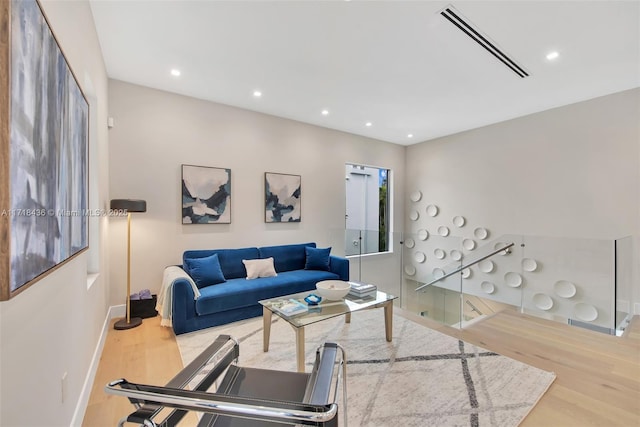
column 362, row 290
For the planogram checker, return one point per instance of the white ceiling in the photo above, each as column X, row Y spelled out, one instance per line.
column 399, row 65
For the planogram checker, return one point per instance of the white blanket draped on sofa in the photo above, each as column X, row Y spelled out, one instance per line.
column 171, row 274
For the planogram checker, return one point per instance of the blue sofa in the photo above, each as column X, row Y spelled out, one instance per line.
column 236, row 297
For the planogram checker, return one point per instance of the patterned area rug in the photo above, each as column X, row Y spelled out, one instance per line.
column 421, row 378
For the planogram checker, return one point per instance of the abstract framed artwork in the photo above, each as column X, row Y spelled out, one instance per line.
column 206, row 195
column 283, row 202
column 44, row 131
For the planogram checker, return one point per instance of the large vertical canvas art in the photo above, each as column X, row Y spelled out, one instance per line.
column 282, row 197
column 206, row 195
column 44, row 120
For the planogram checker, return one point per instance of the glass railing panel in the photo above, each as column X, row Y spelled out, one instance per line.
column 425, row 259
column 624, row 249
column 375, row 258
column 497, row 276
column 570, row 280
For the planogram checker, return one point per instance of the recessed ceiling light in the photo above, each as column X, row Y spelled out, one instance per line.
column 325, row 112
column 257, row 93
column 410, row 135
column 175, row 72
column 552, row 55
column 368, row 124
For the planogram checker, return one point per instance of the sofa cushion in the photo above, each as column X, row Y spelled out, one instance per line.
column 257, row 268
column 317, row 259
column 238, row 293
column 287, row 257
column 230, row 259
column 205, row 271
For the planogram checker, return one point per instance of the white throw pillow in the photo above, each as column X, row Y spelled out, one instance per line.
column 259, row 268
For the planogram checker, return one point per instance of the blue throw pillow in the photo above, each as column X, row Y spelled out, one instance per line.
column 205, row 271
column 317, row 258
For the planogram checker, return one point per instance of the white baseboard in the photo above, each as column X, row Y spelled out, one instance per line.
column 83, row 401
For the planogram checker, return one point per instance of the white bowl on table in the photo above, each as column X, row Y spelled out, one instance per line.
column 333, row 290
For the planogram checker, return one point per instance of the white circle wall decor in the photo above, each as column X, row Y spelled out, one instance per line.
column 410, row 270
column 585, row 312
column 409, row 242
column 414, row 215
column 456, row 255
column 564, row 289
column 529, row 264
column 443, row 231
column 432, row 210
column 487, row 287
column 542, row 301
column 438, row 273
column 486, row 266
column 458, row 221
column 512, row 279
column 416, row 196
column 466, row 273
column 481, row 233
column 423, row 234
column 419, row 257
column 439, row 253
column 469, row 244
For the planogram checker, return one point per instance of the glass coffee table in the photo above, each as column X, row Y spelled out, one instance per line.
column 323, row 311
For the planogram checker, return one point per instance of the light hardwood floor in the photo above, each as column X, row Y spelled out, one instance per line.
column 597, row 384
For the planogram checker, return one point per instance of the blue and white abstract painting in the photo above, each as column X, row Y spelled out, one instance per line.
column 48, row 151
column 206, row 195
column 283, row 201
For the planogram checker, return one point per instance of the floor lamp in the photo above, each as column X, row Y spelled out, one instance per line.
column 128, row 206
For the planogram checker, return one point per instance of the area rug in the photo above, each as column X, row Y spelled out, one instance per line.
column 422, row 378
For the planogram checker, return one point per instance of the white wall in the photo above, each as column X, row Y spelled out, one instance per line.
column 54, row 326
column 572, row 171
column 155, row 132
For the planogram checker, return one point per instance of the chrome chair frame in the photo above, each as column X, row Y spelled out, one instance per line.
column 221, row 357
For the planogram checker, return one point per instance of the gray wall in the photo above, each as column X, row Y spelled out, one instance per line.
column 567, row 172
column 155, row 132
column 53, row 327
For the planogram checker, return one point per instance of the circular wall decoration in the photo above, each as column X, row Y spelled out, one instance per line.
column 414, row 215
column 423, row 234
column 564, row 289
column 529, row 264
column 419, row 257
column 409, row 242
column 585, row 312
column 458, row 221
column 486, row 266
column 432, row 210
column 439, row 253
column 416, row 196
column 512, row 279
column 438, row 273
column 466, row 273
column 456, row 255
column 469, row 244
column 487, row 287
column 481, row 233
column 443, row 231
column 542, row 301
column 410, row 270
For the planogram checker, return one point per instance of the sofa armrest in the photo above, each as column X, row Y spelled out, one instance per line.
column 339, row 266
column 183, row 307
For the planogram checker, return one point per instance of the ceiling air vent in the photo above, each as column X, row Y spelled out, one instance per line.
column 456, row 19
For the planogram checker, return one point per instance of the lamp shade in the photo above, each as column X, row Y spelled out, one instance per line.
column 129, row 205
